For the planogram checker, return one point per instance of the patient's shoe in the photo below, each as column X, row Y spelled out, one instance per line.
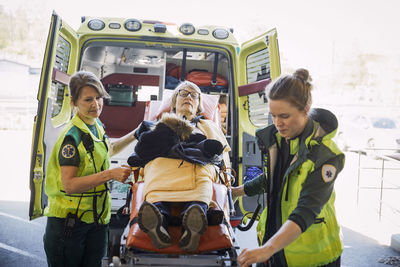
column 194, row 224
column 150, row 221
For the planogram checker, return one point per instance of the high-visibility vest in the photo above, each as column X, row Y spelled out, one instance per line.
column 321, row 243
column 59, row 203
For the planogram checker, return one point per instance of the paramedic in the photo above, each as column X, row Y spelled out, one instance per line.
column 79, row 203
column 301, row 162
column 171, row 181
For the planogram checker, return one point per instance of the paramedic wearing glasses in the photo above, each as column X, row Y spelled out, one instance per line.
column 184, row 180
column 298, row 227
column 77, row 174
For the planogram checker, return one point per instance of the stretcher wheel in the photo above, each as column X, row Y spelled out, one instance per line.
column 116, row 261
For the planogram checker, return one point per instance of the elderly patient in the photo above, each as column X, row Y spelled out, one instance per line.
column 181, row 154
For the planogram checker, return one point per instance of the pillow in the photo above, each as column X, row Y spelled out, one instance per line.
column 209, row 102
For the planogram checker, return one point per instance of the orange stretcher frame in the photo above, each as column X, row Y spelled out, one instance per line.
column 216, row 237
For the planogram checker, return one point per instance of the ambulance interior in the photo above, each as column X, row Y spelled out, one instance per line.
column 139, row 78
column 135, row 76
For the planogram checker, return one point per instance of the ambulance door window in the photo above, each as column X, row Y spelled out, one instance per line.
column 58, row 88
column 258, row 68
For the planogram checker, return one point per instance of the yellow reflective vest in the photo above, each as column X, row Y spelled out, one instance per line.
column 321, row 243
column 59, row 203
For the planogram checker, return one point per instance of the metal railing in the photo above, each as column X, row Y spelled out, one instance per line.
column 387, row 162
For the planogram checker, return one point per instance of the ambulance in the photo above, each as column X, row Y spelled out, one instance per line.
column 140, row 62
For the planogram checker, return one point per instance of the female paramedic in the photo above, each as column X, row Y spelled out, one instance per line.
column 298, row 227
column 77, row 174
column 179, row 156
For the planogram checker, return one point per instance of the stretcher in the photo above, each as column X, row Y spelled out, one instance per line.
column 217, row 247
column 130, row 246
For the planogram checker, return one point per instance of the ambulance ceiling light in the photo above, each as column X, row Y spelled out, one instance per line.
column 220, row 33
column 133, row 25
column 96, row 25
column 202, row 31
column 186, row 29
column 114, row 25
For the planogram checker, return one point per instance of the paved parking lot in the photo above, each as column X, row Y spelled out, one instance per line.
column 366, row 239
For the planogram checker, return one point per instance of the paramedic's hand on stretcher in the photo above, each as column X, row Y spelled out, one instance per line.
column 249, row 256
column 288, row 232
column 121, row 174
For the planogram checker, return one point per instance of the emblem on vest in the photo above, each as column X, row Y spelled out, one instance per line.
column 328, row 172
column 68, row 151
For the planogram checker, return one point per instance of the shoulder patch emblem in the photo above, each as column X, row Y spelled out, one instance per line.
column 328, row 172
column 68, row 151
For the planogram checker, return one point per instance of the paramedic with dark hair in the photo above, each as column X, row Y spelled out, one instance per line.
column 79, row 203
column 298, row 227
column 170, row 181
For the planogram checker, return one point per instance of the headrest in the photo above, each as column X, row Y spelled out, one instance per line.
column 209, row 102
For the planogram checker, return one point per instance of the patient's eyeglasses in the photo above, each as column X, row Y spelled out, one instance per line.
column 185, row 93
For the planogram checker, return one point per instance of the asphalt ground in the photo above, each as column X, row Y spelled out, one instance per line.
column 366, row 236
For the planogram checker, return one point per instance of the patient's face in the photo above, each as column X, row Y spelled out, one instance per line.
column 187, row 102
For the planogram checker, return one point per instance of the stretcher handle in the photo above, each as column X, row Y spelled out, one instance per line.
column 229, row 178
column 232, row 211
column 228, row 182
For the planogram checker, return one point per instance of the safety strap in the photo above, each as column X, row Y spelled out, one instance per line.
column 197, row 119
column 214, row 77
column 183, row 68
column 88, row 143
column 136, row 174
column 133, row 221
column 214, row 217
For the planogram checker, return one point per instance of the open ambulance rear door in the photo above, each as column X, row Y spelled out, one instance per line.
column 259, row 63
column 54, row 111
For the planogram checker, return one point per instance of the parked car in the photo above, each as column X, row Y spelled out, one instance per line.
column 368, row 132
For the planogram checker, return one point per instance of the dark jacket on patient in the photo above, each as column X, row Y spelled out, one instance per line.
column 173, row 137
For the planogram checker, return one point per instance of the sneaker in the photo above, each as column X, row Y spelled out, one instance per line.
column 150, row 222
column 194, row 224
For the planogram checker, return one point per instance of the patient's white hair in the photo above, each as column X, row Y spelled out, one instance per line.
column 183, row 85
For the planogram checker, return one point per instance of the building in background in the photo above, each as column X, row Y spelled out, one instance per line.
column 18, row 102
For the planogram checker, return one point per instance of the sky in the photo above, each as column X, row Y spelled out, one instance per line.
column 312, row 34
column 305, row 26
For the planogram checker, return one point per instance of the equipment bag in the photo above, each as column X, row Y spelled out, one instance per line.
column 173, row 70
column 204, row 78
